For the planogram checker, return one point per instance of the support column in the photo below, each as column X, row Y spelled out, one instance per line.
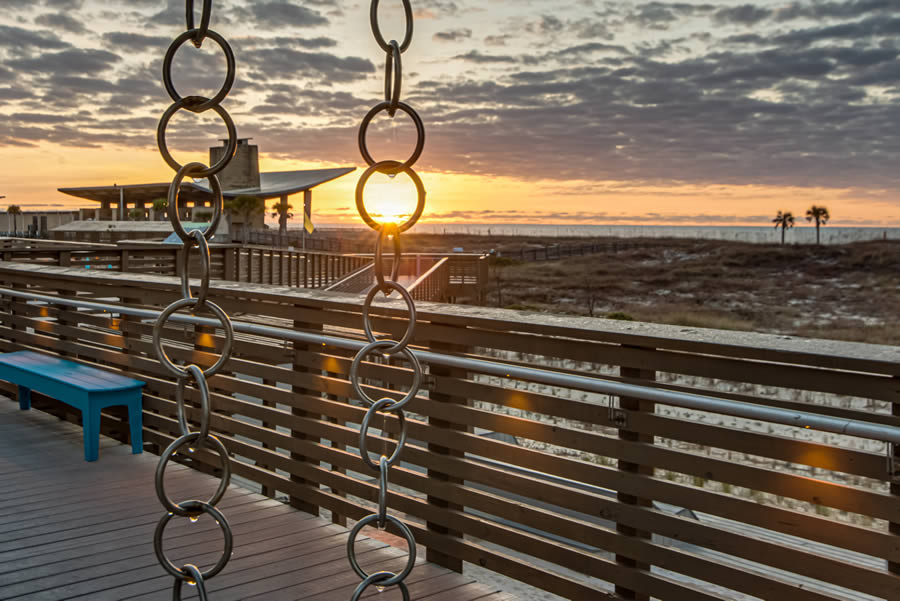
column 433, row 555
column 300, row 350
column 894, row 527
column 620, row 417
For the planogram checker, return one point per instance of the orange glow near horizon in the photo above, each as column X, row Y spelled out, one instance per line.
column 31, row 176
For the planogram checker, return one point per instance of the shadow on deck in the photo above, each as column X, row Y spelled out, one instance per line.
column 76, row 530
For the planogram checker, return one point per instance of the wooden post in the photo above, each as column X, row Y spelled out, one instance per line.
column 894, row 527
column 300, row 350
column 629, row 405
column 124, row 260
column 433, row 555
column 230, row 265
column 65, row 258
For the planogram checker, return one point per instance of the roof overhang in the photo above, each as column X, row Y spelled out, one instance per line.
column 272, row 185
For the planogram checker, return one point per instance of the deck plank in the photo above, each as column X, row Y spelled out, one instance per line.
column 76, row 530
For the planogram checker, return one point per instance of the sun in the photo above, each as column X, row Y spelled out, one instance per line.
column 389, row 198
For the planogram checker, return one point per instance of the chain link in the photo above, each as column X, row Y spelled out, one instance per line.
column 192, row 374
column 386, row 283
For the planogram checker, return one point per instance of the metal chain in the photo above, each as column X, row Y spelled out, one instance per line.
column 194, row 375
column 386, row 284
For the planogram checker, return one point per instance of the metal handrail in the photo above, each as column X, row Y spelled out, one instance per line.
column 799, row 419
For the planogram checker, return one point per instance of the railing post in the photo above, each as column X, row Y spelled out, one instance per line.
column 230, row 265
column 300, row 350
column 65, row 258
column 619, row 418
column 894, row 527
column 124, row 260
column 451, row 563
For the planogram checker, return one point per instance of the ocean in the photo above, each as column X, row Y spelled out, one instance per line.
column 805, row 234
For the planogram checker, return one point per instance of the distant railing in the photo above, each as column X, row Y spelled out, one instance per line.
column 555, row 252
column 301, row 240
column 434, row 284
column 253, row 265
column 357, row 282
column 581, row 456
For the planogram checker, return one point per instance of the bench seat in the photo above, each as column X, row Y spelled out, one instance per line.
column 85, row 388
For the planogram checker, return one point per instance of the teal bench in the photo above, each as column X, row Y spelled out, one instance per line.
column 79, row 386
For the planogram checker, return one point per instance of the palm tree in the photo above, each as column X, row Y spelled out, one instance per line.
column 159, row 208
column 14, row 210
column 784, row 219
column 820, row 214
column 282, row 210
column 246, row 207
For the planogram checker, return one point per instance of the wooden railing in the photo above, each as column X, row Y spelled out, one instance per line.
column 434, row 284
column 576, row 493
column 255, row 265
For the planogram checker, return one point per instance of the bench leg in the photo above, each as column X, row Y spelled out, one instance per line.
column 91, row 421
column 24, row 398
column 135, row 425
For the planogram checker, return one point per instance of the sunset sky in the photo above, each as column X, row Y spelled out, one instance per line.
column 537, row 111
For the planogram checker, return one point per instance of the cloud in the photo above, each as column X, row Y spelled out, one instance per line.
column 453, row 35
column 474, row 56
column 744, row 14
column 73, row 61
column 285, row 63
column 61, row 21
column 278, row 14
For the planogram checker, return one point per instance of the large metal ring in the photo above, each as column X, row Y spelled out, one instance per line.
column 405, row 353
column 364, row 433
column 411, row 307
column 361, row 186
column 404, row 531
column 201, row 32
column 198, row 236
column 392, row 167
column 192, row 507
column 393, row 77
column 193, row 170
column 192, row 36
column 376, row 579
column 184, row 103
column 387, row 230
column 181, row 304
column 195, row 578
column 170, row 567
column 376, row 29
column 203, row 386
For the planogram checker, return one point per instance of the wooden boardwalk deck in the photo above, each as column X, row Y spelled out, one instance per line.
column 76, row 530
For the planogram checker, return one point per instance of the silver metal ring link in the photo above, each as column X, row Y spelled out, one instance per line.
column 405, row 353
column 376, row 28
column 181, row 304
column 205, row 269
column 187, row 103
column 411, row 307
column 196, row 374
column 192, row 507
column 191, row 170
column 382, row 405
column 405, row 532
column 229, row 76
column 170, row 567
